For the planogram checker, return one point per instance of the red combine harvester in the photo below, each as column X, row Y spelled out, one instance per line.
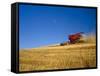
column 74, row 38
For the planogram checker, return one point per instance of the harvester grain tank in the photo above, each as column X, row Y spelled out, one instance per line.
column 74, row 38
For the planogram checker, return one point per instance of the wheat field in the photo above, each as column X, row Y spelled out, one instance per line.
column 80, row 55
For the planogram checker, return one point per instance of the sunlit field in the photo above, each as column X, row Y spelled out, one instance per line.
column 79, row 55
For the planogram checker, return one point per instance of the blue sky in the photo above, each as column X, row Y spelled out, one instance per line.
column 44, row 25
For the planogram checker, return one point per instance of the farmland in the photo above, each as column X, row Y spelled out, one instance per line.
column 71, row 56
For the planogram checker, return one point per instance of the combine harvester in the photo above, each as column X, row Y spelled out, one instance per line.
column 74, row 38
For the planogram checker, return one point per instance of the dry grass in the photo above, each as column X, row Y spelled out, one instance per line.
column 59, row 57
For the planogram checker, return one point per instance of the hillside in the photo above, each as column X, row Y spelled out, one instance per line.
column 58, row 57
